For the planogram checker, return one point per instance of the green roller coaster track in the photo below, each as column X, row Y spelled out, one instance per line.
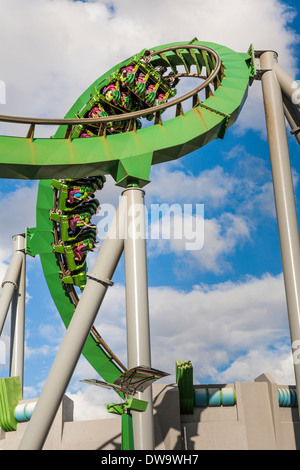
column 225, row 77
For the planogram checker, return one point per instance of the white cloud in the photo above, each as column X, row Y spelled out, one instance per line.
column 221, row 239
column 53, row 332
column 42, row 351
column 89, row 403
column 17, row 211
column 252, row 115
column 243, row 185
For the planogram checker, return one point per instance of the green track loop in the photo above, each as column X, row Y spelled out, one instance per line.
column 131, row 154
column 128, row 156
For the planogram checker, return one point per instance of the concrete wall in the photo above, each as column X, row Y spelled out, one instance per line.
column 255, row 422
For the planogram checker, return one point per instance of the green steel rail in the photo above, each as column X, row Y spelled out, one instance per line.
column 224, row 77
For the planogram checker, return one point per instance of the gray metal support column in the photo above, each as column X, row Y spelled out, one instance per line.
column 9, row 284
column 137, row 309
column 18, row 315
column 284, row 197
column 76, row 336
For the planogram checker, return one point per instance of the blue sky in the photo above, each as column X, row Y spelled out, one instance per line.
column 223, row 306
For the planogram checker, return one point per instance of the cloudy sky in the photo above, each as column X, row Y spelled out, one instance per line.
column 222, row 306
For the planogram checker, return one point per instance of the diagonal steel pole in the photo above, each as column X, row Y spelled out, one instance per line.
column 76, row 335
column 284, row 196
